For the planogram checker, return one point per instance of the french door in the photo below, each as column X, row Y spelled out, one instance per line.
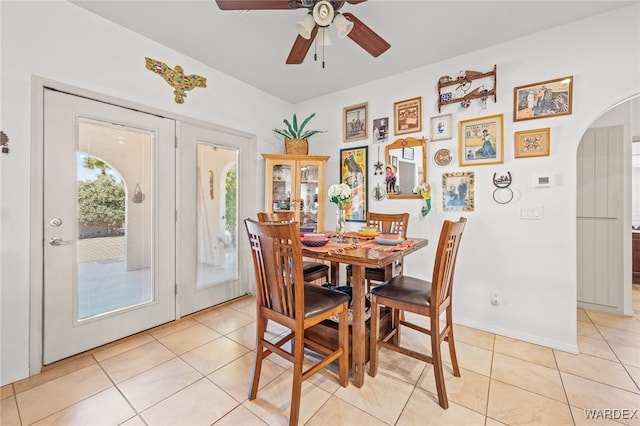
column 209, row 261
column 109, row 223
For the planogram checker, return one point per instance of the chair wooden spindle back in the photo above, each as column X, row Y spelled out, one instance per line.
column 444, row 266
column 274, row 248
column 396, row 223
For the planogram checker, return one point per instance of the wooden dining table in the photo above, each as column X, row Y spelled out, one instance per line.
column 361, row 254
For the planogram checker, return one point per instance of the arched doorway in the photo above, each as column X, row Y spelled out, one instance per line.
column 606, row 214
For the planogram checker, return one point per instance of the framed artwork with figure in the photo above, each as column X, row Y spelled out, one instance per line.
column 353, row 172
column 355, row 122
column 381, row 130
column 480, row 141
column 549, row 98
column 458, row 191
column 441, row 127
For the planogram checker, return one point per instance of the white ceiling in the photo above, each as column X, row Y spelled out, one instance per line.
column 253, row 48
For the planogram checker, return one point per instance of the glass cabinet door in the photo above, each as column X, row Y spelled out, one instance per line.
column 295, row 183
column 308, row 207
column 281, row 187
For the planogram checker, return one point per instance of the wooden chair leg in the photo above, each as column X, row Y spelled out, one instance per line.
column 436, row 354
column 374, row 336
column 261, row 325
column 452, row 345
column 397, row 316
column 296, row 392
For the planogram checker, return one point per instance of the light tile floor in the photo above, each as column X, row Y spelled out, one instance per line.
column 196, row 372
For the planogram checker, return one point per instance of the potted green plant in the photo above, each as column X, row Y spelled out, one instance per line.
column 296, row 138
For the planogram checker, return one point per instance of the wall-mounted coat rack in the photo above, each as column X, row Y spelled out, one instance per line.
column 462, row 92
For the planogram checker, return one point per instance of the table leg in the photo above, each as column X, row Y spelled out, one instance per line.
column 358, row 326
column 335, row 273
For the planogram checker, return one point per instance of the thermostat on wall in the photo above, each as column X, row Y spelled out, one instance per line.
column 542, row 181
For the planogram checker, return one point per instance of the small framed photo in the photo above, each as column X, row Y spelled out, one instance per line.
column 549, row 98
column 458, row 191
column 480, row 141
column 407, row 153
column 355, row 118
column 408, row 116
column 381, row 130
column 441, row 127
column 532, row 143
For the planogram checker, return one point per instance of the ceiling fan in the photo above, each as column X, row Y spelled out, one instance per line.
column 322, row 13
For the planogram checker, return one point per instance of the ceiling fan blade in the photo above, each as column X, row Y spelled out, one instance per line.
column 252, row 4
column 355, row 1
column 366, row 37
column 301, row 47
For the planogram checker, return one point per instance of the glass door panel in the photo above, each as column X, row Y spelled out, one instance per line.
column 114, row 249
column 216, row 214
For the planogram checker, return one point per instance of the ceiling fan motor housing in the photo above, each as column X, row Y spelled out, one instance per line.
column 323, row 13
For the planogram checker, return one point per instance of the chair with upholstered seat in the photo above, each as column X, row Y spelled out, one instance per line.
column 284, row 297
column 312, row 270
column 427, row 298
column 396, row 223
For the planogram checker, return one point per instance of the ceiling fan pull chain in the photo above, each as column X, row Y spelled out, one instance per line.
column 323, row 50
column 315, row 50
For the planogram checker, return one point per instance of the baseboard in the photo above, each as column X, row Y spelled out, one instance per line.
column 525, row 337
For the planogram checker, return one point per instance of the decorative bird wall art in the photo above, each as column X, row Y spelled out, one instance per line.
column 176, row 78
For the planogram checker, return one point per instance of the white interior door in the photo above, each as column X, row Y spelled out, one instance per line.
column 109, row 223
column 599, row 218
column 211, row 269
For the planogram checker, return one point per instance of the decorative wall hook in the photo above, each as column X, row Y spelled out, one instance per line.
column 4, row 142
column 137, row 196
column 502, row 194
column 211, row 184
column 176, row 78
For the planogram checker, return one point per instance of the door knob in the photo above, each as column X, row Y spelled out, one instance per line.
column 55, row 241
column 55, row 222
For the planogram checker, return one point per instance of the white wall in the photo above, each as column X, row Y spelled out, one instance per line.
column 531, row 263
column 61, row 42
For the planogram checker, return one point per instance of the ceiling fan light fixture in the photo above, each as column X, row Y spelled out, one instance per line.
column 323, row 13
column 342, row 25
column 324, row 39
column 305, row 27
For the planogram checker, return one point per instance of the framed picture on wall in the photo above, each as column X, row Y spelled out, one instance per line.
column 458, row 191
column 381, row 130
column 549, row 98
column 408, row 116
column 407, row 153
column 532, row 143
column 480, row 141
column 441, row 127
column 353, row 172
column 355, row 122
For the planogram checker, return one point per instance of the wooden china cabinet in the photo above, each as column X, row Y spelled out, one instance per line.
column 296, row 183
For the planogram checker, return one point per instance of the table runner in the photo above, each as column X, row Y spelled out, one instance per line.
column 335, row 247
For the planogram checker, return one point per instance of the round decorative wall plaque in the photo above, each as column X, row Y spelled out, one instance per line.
column 442, row 157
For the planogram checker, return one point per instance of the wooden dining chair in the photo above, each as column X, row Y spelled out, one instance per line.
column 284, row 297
column 427, row 298
column 396, row 223
column 312, row 270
